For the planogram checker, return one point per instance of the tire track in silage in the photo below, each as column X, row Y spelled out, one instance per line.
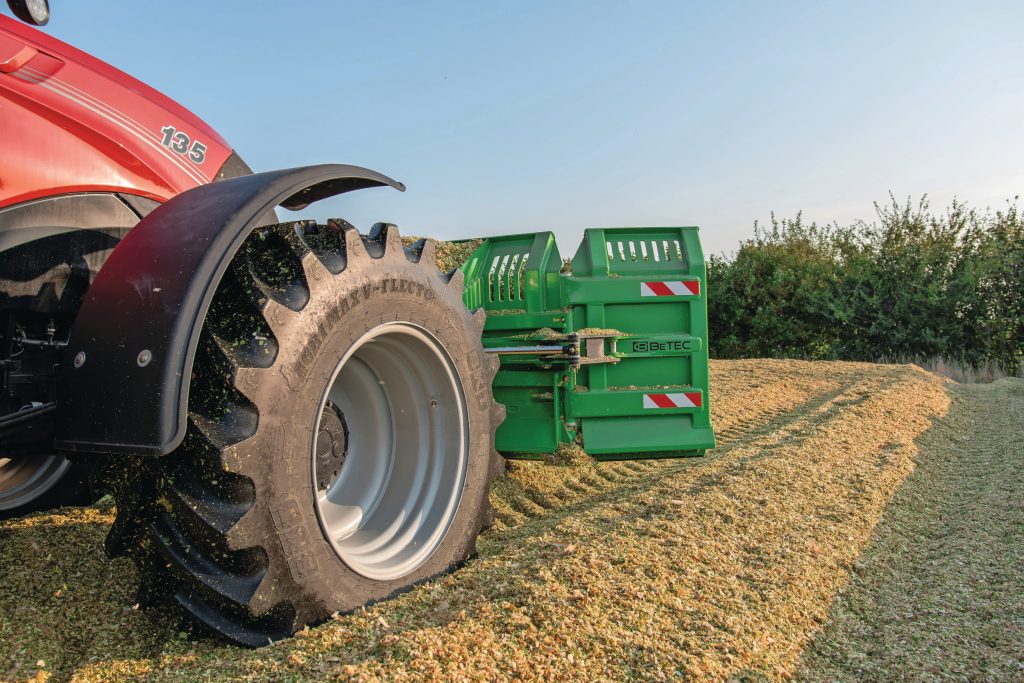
column 531, row 490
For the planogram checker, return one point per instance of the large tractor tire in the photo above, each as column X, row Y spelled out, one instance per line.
column 29, row 483
column 340, row 444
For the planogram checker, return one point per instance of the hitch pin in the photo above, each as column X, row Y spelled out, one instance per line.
column 528, row 350
column 569, row 352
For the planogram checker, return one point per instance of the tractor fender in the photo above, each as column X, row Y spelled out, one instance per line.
column 129, row 358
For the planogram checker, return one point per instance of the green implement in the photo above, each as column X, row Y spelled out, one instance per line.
column 609, row 351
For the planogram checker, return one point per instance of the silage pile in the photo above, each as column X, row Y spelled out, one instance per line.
column 449, row 255
column 706, row 568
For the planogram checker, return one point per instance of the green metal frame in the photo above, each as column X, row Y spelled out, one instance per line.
column 627, row 408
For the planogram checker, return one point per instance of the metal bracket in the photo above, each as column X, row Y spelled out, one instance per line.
column 593, row 345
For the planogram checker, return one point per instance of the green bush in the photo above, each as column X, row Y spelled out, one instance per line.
column 911, row 284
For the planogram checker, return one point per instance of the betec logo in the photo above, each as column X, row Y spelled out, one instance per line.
column 655, row 346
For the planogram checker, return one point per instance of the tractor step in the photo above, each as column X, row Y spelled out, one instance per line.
column 608, row 351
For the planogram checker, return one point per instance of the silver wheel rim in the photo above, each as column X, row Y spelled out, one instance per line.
column 25, row 478
column 401, row 482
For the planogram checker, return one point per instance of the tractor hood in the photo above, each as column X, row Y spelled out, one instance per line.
column 72, row 123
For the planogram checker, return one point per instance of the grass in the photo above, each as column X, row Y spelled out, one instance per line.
column 744, row 565
column 985, row 372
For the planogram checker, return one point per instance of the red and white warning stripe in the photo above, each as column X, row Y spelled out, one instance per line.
column 688, row 400
column 671, row 288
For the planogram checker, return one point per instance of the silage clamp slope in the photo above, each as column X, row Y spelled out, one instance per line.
column 635, row 305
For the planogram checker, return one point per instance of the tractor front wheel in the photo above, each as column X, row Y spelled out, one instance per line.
column 39, row 482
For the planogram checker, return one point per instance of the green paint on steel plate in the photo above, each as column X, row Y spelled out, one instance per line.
column 643, row 290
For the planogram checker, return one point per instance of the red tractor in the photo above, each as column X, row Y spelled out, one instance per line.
column 151, row 302
column 294, row 419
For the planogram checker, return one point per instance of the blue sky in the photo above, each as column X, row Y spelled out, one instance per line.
column 521, row 116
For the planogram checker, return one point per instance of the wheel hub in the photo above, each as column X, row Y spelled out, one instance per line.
column 394, row 414
column 331, row 446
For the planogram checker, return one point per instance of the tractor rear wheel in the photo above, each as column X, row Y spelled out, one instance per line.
column 340, row 444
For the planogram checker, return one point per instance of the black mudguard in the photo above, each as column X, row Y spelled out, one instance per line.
column 129, row 359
